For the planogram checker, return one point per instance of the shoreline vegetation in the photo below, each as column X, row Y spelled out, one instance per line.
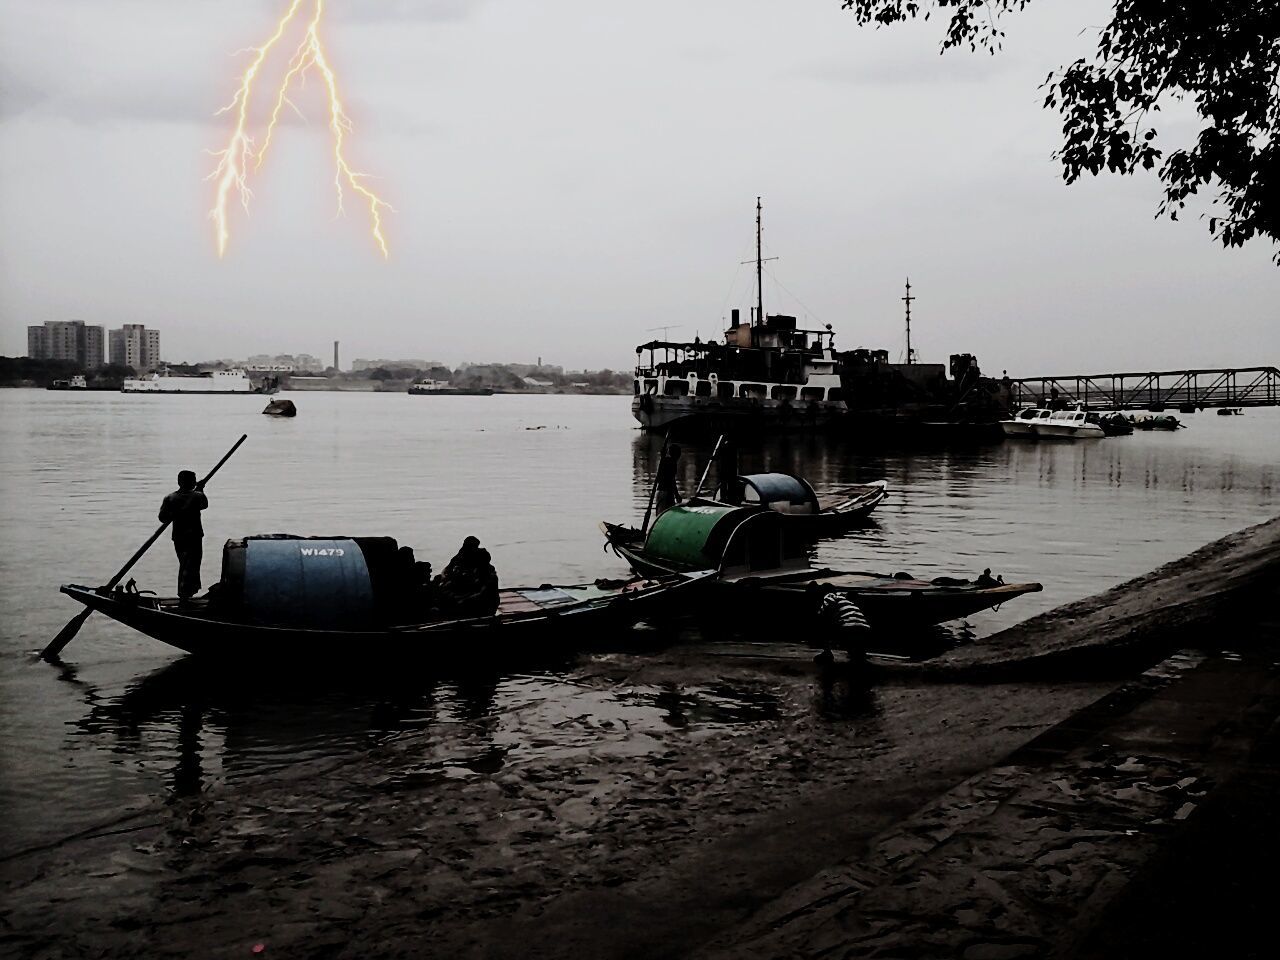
column 500, row 378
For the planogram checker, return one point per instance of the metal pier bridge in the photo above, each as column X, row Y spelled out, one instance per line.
column 1235, row 387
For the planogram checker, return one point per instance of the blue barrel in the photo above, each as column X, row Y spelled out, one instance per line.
column 323, row 584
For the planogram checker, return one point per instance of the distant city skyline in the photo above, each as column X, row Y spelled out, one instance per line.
column 566, row 181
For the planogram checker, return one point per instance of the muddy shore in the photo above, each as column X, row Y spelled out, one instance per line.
column 682, row 837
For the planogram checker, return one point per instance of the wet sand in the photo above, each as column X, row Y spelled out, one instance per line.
column 689, row 838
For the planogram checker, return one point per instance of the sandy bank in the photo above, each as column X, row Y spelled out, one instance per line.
column 1205, row 599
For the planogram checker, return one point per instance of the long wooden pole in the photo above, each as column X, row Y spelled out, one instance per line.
column 653, row 488
column 67, row 633
column 707, row 468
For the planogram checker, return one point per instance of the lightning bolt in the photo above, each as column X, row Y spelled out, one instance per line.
column 235, row 160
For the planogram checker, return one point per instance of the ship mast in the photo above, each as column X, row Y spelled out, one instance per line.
column 760, row 259
column 907, row 300
column 759, row 270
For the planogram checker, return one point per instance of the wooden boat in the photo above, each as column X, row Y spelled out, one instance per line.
column 325, row 598
column 1159, row 422
column 1114, row 424
column 794, row 498
column 764, row 573
column 1229, row 411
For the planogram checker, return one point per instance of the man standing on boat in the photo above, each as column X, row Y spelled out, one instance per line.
column 668, row 487
column 727, row 471
column 182, row 509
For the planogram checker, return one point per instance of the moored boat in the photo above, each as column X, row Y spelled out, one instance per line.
column 794, row 498
column 1066, row 425
column 330, row 598
column 76, row 382
column 1155, row 422
column 209, row 382
column 1020, row 426
column 442, row 388
column 764, row 574
column 768, row 374
column 1115, row 424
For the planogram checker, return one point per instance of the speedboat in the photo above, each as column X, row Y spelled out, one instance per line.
column 1022, row 425
column 1066, row 425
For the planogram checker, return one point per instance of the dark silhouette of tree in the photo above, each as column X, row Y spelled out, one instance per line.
column 1222, row 55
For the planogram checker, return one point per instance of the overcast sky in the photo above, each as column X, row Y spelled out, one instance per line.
column 570, row 174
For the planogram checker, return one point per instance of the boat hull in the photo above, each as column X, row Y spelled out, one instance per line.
column 1018, row 429
column 197, row 393
column 733, row 416
column 195, row 629
column 452, row 392
column 784, row 598
column 1062, row 431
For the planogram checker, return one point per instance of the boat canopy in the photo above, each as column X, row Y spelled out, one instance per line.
column 783, row 492
column 694, row 535
column 735, row 540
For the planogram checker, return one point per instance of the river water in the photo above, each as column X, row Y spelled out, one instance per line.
column 124, row 722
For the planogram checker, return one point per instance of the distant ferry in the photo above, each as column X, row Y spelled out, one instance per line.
column 768, row 373
column 211, row 381
column 442, row 388
column 77, row 382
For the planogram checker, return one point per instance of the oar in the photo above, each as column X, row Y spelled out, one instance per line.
column 653, row 489
column 67, row 633
column 707, row 468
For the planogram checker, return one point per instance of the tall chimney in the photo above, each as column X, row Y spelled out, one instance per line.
column 335, row 356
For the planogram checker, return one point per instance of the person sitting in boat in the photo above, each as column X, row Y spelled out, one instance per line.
column 986, row 580
column 668, row 485
column 182, row 509
column 469, row 585
column 413, row 595
column 463, row 561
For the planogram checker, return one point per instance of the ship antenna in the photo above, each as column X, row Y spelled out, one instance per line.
column 759, row 270
column 907, row 300
column 760, row 259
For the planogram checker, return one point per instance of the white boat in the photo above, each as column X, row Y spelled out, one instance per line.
column 78, row 382
column 211, row 381
column 1022, row 425
column 1066, row 425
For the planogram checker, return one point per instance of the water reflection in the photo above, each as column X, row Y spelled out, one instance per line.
column 846, row 691
column 195, row 725
column 1078, row 518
